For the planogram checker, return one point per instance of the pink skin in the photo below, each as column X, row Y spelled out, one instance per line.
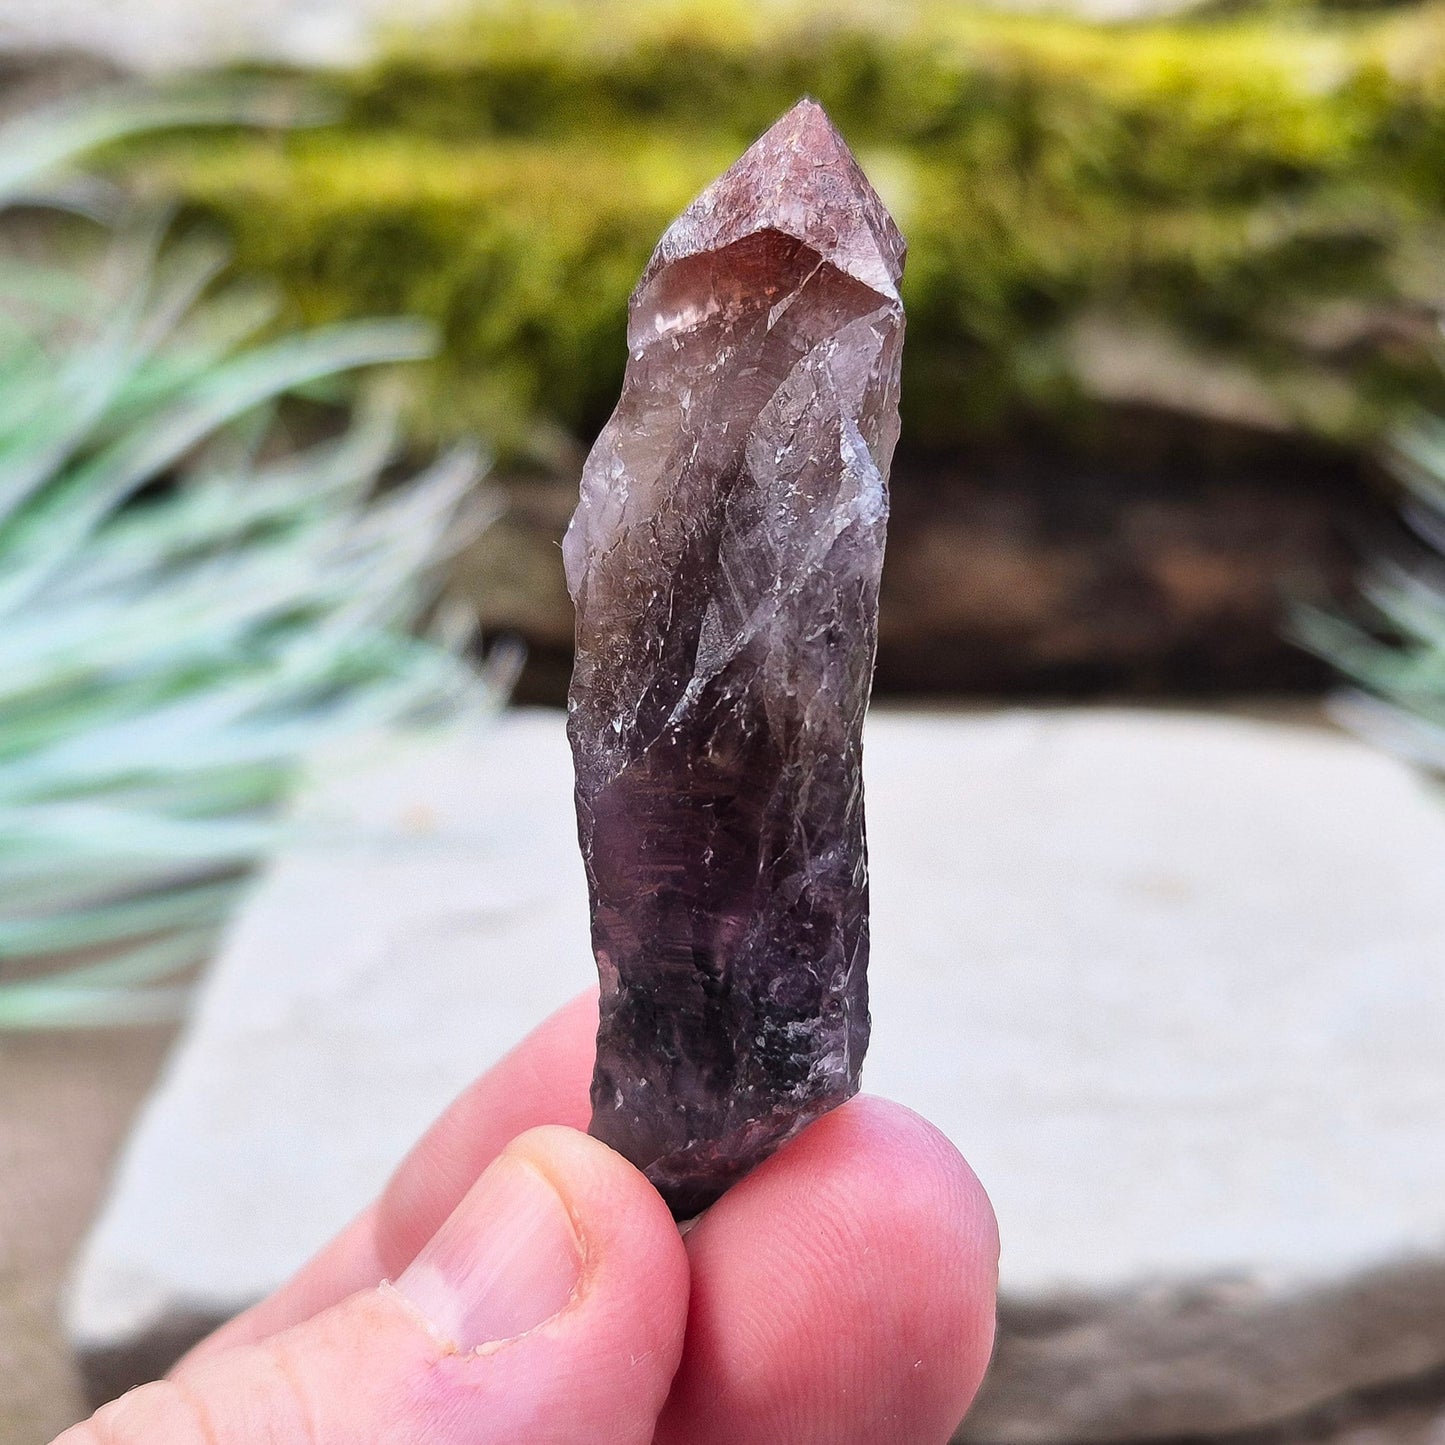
column 842, row 1294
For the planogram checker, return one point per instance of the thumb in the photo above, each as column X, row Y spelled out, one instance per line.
column 549, row 1309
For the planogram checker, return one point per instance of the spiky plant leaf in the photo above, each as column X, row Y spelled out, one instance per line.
column 188, row 606
column 38, row 147
column 1392, row 648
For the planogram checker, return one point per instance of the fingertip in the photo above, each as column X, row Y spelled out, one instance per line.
column 843, row 1292
column 553, row 1300
column 607, row 1356
column 912, row 1167
column 561, row 1234
column 626, row 1229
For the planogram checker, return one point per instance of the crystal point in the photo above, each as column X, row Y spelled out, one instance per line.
column 724, row 560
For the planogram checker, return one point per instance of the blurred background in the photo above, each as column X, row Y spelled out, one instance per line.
column 309, row 311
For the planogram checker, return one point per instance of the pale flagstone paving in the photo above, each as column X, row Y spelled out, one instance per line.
column 1172, row 982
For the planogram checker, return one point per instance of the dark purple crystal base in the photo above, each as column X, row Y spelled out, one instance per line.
column 725, row 561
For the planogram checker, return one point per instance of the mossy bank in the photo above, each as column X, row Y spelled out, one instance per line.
column 1242, row 216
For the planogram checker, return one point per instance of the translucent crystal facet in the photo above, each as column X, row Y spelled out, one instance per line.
column 724, row 561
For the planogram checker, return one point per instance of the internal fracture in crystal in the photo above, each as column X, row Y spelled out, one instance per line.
column 724, row 561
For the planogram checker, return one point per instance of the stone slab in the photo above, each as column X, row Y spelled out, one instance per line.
column 1172, row 982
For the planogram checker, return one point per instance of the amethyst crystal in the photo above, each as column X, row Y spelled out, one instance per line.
column 724, row 561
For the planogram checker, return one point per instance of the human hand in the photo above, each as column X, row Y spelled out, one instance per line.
column 842, row 1294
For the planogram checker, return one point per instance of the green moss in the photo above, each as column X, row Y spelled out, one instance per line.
column 507, row 175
